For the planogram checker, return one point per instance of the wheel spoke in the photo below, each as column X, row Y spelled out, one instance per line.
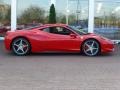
column 24, row 46
column 16, row 45
column 87, row 45
column 92, row 52
column 21, row 42
column 88, row 50
column 22, row 50
column 92, row 44
column 95, row 48
column 18, row 49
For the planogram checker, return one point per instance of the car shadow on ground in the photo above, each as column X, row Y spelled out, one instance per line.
column 60, row 54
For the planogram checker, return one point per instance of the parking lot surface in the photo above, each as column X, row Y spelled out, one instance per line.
column 50, row 71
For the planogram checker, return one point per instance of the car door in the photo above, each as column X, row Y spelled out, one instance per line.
column 61, row 39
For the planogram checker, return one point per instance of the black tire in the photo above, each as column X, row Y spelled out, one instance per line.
column 21, row 47
column 91, row 47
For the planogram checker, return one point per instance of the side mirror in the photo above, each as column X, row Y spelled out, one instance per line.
column 72, row 35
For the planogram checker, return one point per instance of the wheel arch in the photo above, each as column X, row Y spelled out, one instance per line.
column 90, row 39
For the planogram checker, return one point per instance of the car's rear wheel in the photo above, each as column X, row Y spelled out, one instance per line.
column 20, row 46
column 91, row 47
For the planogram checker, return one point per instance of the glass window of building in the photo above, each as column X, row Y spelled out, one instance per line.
column 107, row 18
column 5, row 16
column 31, row 13
column 35, row 12
column 73, row 12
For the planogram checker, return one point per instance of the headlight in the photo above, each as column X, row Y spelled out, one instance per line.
column 108, row 40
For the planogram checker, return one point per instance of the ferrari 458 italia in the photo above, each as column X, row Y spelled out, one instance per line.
column 57, row 38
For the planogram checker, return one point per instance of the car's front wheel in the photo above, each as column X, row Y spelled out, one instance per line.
column 20, row 46
column 91, row 47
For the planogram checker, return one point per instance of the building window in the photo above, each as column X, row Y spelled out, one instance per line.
column 31, row 13
column 75, row 10
column 107, row 18
column 5, row 16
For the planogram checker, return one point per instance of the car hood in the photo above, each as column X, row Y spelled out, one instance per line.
column 91, row 35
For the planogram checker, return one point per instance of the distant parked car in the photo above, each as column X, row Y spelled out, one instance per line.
column 2, row 30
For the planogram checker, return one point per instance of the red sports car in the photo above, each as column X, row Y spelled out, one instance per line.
column 57, row 38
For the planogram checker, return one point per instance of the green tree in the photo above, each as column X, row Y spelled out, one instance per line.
column 52, row 14
column 7, row 17
column 5, row 13
column 0, row 16
column 33, row 13
column 2, row 8
column 61, row 18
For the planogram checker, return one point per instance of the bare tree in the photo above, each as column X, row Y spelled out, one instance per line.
column 33, row 13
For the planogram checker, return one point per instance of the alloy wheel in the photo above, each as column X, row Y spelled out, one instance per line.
column 20, row 46
column 91, row 48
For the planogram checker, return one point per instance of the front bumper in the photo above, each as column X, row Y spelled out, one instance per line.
column 107, row 47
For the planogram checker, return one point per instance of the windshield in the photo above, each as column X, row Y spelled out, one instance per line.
column 80, row 32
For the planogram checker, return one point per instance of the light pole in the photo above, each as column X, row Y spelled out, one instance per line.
column 91, row 16
column 78, row 11
column 13, row 15
column 67, row 13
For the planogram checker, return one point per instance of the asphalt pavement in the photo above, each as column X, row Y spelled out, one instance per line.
column 59, row 71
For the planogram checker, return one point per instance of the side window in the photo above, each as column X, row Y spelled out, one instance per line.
column 60, row 30
column 57, row 30
column 46, row 30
